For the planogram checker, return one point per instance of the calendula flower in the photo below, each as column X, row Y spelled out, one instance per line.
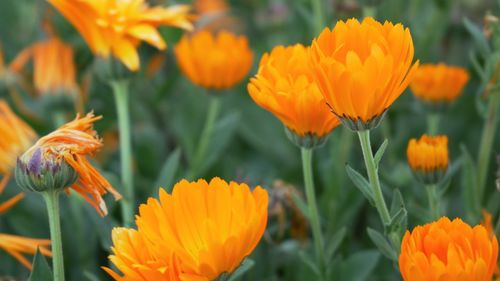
column 224, row 223
column 448, row 250
column 362, row 68
column 214, row 61
column 60, row 158
column 53, row 66
column 428, row 157
column 14, row 245
column 210, row 6
column 285, row 86
column 438, row 83
column 17, row 137
column 116, row 27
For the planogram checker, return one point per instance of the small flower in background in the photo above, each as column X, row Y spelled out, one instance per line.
column 285, row 86
column 199, row 232
column 448, row 250
column 115, row 28
column 210, row 6
column 439, row 83
column 428, row 157
column 362, row 68
column 215, row 62
column 69, row 145
column 17, row 137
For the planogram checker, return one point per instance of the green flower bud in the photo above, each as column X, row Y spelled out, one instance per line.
column 40, row 173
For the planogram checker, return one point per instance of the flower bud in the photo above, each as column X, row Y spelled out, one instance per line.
column 428, row 158
column 39, row 172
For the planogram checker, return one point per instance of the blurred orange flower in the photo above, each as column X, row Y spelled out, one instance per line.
column 72, row 143
column 362, row 68
column 439, row 82
column 448, row 250
column 210, row 6
column 428, row 153
column 214, row 61
column 53, row 66
column 116, row 27
column 284, row 85
column 224, row 223
column 17, row 137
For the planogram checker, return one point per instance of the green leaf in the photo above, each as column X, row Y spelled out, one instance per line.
column 380, row 152
column 398, row 209
column 168, row 171
column 469, row 182
column 359, row 266
column 398, row 221
column 382, row 244
column 90, row 276
column 244, row 267
column 478, row 37
column 41, row 270
column 334, row 243
column 361, row 183
column 310, row 262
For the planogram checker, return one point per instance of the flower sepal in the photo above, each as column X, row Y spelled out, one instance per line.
column 308, row 140
column 358, row 124
column 40, row 173
column 430, row 177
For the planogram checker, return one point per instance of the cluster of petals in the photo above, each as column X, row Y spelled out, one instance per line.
column 214, row 61
column 285, row 86
column 448, row 250
column 197, row 233
column 439, row 82
column 429, row 153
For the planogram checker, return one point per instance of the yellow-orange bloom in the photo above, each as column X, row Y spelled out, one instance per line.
column 53, row 66
column 439, row 82
column 214, row 61
column 210, row 6
column 362, row 68
column 284, row 85
column 448, row 250
column 197, row 233
column 73, row 142
column 17, row 137
column 428, row 153
column 116, row 27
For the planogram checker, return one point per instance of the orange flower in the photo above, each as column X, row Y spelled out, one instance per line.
column 116, row 27
column 214, row 61
column 448, row 250
column 439, row 82
column 72, row 143
column 428, row 153
column 284, row 85
column 210, row 6
column 198, row 232
column 362, row 68
column 53, row 66
column 17, row 137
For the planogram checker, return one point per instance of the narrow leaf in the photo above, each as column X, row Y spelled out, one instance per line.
column 361, row 183
column 478, row 37
column 382, row 244
column 359, row 266
column 41, row 270
column 334, row 243
column 167, row 173
column 246, row 265
column 380, row 152
column 309, row 262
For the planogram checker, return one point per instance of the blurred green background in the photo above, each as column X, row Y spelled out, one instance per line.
column 249, row 144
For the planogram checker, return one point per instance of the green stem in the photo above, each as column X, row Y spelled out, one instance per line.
column 120, row 90
column 52, row 202
column 486, row 144
column 313, row 210
column 319, row 21
column 432, row 123
column 433, row 201
column 206, row 135
column 378, row 197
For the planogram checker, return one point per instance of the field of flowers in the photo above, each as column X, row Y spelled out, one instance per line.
column 270, row 140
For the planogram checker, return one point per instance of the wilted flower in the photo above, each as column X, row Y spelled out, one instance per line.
column 439, row 82
column 224, row 223
column 60, row 158
column 116, row 27
column 284, row 85
column 214, row 61
column 428, row 157
column 362, row 68
column 17, row 137
column 448, row 250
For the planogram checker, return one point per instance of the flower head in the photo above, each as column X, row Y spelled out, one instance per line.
column 448, row 250
column 428, row 157
column 70, row 145
column 439, row 82
column 214, row 61
column 362, row 68
column 17, row 137
column 284, row 85
column 116, row 27
column 198, row 232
